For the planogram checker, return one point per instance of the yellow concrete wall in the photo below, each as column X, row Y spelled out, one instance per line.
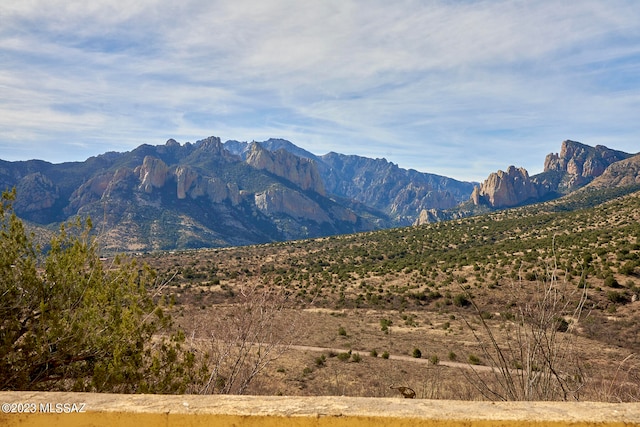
column 247, row 411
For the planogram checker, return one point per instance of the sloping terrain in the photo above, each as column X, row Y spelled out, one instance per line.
column 211, row 194
column 432, row 288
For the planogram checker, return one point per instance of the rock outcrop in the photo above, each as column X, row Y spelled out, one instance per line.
column 281, row 200
column 574, row 167
column 619, row 174
column 152, row 173
column 581, row 163
column 300, row 171
column 505, row 189
column 42, row 193
column 399, row 193
column 185, row 178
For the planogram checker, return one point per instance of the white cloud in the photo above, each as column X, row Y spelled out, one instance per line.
column 426, row 84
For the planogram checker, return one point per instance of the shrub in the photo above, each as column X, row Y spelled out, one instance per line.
column 416, row 353
column 617, row 297
column 384, row 325
column 611, row 282
column 385, row 355
column 321, row 360
column 66, row 322
column 461, row 300
column 343, row 357
column 342, row 331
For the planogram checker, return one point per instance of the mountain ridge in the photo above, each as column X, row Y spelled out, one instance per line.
column 574, row 167
column 210, row 193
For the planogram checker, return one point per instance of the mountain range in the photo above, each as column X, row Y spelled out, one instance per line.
column 214, row 194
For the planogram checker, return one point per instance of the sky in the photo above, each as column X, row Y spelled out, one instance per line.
column 457, row 88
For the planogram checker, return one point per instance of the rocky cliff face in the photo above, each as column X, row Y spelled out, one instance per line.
column 581, row 163
column 505, row 189
column 574, row 167
column 619, row 174
column 399, row 193
column 152, row 174
column 300, row 171
column 185, row 195
column 43, row 195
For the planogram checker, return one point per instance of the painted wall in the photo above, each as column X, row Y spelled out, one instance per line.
column 47, row 409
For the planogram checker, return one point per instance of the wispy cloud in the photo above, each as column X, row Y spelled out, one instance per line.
column 459, row 88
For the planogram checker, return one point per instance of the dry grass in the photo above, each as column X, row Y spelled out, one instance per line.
column 414, row 278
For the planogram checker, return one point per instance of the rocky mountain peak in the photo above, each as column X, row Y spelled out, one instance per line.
column 300, row 171
column 582, row 162
column 505, row 188
column 152, row 173
column 619, row 174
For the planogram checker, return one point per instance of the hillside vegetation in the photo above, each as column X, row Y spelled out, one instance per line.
column 438, row 284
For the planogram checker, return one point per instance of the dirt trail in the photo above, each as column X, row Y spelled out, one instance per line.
column 394, row 357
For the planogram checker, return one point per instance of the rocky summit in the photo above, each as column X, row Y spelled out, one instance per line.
column 211, row 194
column 574, row 167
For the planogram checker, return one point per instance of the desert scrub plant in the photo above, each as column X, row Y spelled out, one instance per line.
column 537, row 342
column 68, row 322
column 384, row 325
column 321, row 360
column 343, row 357
column 474, row 360
column 248, row 336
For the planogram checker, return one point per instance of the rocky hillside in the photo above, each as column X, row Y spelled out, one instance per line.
column 213, row 194
column 577, row 166
column 510, row 188
column 620, row 174
column 399, row 193
column 574, row 167
column 210, row 194
column 186, row 195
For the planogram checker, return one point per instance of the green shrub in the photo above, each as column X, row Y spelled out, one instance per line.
column 69, row 322
column 416, row 353
column 384, row 325
column 343, row 357
column 461, row 300
column 321, row 360
column 617, row 297
column 611, row 282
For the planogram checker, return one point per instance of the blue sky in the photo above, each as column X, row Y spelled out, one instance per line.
column 458, row 88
